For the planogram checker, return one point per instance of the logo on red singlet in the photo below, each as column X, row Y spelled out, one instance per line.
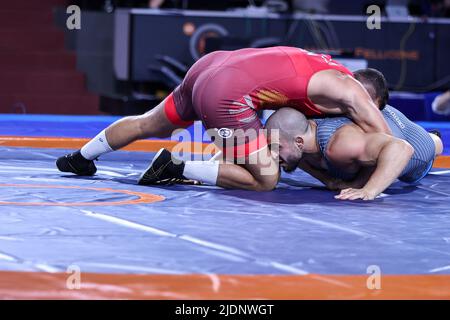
column 225, row 133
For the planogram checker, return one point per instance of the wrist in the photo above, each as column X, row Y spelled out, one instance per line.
column 371, row 192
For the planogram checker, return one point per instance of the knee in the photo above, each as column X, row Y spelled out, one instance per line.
column 131, row 126
column 147, row 128
column 438, row 145
column 267, row 184
column 153, row 124
column 138, row 126
column 142, row 127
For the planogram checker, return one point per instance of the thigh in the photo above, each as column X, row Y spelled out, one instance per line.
column 181, row 111
column 238, row 136
column 260, row 173
column 264, row 169
column 226, row 109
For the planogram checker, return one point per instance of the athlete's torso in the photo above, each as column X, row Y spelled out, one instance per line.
column 280, row 75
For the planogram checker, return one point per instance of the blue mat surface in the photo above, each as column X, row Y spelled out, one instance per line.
column 297, row 229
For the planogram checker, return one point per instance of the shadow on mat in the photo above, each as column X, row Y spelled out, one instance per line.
column 289, row 191
column 405, row 189
column 282, row 195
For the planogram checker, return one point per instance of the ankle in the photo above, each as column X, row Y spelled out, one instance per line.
column 77, row 155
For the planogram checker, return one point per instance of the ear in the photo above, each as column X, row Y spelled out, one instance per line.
column 299, row 142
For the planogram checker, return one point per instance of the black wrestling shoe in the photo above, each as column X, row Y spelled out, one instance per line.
column 436, row 132
column 76, row 163
column 163, row 170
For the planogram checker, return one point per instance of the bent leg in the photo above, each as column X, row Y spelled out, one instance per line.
column 441, row 104
column 438, row 145
column 159, row 122
column 259, row 173
column 153, row 123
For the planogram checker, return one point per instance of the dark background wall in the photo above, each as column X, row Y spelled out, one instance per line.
column 426, row 67
column 93, row 45
column 412, row 55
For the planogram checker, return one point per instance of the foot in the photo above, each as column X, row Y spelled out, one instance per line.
column 441, row 104
column 163, row 170
column 76, row 163
column 436, row 133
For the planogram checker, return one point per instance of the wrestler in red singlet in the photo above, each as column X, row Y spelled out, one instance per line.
column 224, row 89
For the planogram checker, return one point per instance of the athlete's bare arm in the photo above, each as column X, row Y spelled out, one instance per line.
column 388, row 154
column 335, row 92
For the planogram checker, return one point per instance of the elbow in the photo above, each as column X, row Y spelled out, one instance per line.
column 409, row 149
column 372, row 123
column 380, row 127
column 367, row 115
column 406, row 148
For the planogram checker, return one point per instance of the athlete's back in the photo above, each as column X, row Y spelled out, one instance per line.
column 418, row 137
column 272, row 77
column 402, row 128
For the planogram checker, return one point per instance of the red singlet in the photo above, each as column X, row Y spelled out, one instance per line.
column 224, row 89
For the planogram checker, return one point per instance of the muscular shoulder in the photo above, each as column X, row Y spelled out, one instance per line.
column 332, row 85
column 330, row 78
column 346, row 145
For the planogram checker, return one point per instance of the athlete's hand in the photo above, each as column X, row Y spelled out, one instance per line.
column 355, row 194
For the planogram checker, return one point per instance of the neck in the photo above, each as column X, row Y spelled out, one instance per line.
column 310, row 139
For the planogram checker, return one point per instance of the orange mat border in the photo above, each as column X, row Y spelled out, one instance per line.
column 141, row 197
column 37, row 285
column 140, row 145
column 77, row 143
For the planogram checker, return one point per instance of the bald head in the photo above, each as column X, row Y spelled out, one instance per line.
column 292, row 129
column 290, row 123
